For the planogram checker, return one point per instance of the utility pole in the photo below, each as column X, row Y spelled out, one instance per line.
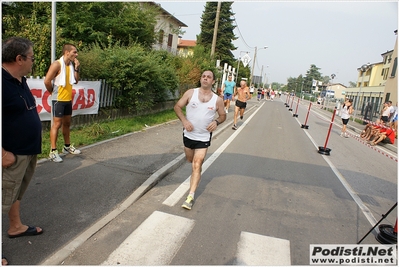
column 53, row 42
column 215, row 30
column 261, row 74
column 253, row 65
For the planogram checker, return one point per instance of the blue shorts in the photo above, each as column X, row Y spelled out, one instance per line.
column 228, row 97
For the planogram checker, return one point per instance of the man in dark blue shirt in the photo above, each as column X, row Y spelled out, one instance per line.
column 21, row 132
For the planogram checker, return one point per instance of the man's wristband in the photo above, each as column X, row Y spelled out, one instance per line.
column 77, row 70
column 217, row 122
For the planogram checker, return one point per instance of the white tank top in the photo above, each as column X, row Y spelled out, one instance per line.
column 345, row 113
column 200, row 115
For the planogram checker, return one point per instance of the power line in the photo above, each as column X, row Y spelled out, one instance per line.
column 238, row 28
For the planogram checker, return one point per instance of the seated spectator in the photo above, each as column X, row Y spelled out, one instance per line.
column 366, row 130
column 385, row 135
column 371, row 130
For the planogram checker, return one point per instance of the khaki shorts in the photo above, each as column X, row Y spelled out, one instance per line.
column 15, row 180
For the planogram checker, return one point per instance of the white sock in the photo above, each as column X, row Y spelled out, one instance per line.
column 192, row 195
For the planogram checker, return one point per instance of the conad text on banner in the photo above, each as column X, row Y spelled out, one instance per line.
column 85, row 98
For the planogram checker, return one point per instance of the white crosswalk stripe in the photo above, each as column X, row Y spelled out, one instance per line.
column 161, row 235
column 259, row 250
column 154, row 242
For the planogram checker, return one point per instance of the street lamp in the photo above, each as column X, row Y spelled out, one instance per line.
column 364, row 68
column 253, row 64
column 329, row 95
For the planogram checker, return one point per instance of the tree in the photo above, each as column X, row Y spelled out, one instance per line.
column 80, row 23
column 190, row 68
column 276, row 86
column 313, row 74
column 225, row 34
column 352, row 84
column 27, row 20
column 107, row 22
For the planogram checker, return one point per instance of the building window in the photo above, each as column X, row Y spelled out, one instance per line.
column 170, row 40
column 395, row 65
column 385, row 74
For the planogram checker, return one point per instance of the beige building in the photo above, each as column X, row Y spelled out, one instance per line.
column 376, row 84
column 167, row 29
column 185, row 47
column 338, row 89
column 391, row 85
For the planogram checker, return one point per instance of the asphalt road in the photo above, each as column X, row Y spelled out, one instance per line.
column 265, row 181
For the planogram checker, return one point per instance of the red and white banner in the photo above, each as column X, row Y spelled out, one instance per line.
column 85, row 98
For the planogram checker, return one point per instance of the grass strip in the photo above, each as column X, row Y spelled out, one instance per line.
column 99, row 131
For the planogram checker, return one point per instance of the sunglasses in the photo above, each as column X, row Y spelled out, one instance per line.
column 32, row 58
column 26, row 104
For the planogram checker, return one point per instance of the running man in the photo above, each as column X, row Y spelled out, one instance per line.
column 241, row 102
column 228, row 89
column 198, row 124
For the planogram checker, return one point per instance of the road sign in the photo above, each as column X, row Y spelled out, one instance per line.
column 245, row 60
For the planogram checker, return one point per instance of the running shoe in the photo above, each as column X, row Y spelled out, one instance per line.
column 54, row 156
column 71, row 150
column 234, row 127
column 188, row 203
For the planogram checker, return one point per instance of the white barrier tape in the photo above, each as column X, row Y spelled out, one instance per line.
column 374, row 147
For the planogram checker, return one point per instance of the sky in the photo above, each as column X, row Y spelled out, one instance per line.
column 338, row 37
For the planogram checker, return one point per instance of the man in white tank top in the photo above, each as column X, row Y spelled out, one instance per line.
column 198, row 124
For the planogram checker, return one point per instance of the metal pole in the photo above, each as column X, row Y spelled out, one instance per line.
column 261, row 73
column 53, row 29
column 53, row 44
column 238, row 68
column 253, row 65
column 358, row 96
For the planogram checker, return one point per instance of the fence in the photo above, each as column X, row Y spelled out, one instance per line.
column 108, row 111
column 369, row 104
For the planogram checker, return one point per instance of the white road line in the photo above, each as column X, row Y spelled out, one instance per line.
column 259, row 250
column 154, row 242
column 366, row 211
column 184, row 187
